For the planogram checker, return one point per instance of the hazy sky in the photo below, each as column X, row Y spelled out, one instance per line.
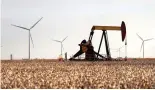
column 74, row 18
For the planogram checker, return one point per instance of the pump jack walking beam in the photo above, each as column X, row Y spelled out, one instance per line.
column 121, row 28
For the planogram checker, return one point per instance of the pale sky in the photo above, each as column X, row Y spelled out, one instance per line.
column 75, row 18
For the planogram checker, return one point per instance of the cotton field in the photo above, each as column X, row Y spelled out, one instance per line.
column 47, row 74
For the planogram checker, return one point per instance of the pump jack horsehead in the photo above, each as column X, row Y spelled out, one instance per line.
column 88, row 49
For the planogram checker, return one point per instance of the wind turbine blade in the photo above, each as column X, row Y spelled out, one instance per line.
column 112, row 49
column 142, row 45
column 148, row 39
column 122, row 47
column 31, row 40
column 140, row 37
column 36, row 23
column 57, row 41
column 64, row 39
column 20, row 27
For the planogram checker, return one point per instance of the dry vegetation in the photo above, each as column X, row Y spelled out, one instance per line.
column 48, row 74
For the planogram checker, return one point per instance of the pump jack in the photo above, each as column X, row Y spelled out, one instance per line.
column 88, row 49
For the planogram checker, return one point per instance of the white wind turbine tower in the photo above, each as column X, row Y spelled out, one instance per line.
column 143, row 43
column 30, row 37
column 61, row 43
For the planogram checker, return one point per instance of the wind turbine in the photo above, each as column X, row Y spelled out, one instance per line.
column 30, row 36
column 118, row 50
column 61, row 43
column 143, row 43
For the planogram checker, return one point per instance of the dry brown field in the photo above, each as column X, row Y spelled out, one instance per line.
column 75, row 74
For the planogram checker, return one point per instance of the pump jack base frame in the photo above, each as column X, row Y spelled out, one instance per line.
column 112, row 59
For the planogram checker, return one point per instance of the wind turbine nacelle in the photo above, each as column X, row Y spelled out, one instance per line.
column 121, row 28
